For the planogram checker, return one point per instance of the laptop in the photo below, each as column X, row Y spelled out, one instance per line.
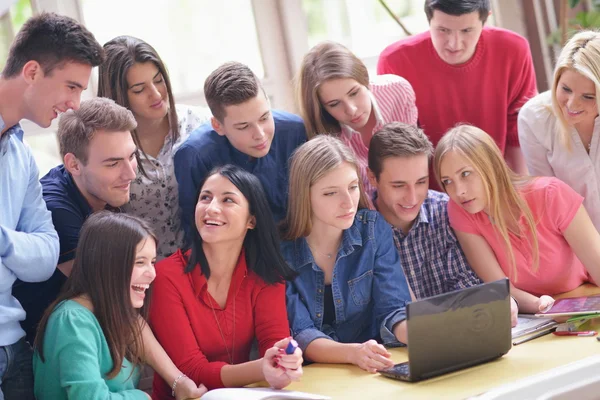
column 455, row 330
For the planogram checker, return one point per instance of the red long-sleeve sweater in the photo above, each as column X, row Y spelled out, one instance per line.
column 184, row 323
column 487, row 91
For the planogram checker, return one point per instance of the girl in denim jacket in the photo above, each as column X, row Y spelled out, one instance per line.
column 350, row 291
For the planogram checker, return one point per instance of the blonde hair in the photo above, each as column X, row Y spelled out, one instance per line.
column 325, row 61
column 309, row 163
column 505, row 203
column 581, row 54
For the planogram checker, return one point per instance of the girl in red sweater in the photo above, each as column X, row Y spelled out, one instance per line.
column 214, row 301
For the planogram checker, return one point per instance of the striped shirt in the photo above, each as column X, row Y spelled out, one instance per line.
column 430, row 254
column 393, row 100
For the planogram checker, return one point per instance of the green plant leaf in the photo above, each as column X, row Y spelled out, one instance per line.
column 593, row 19
column 573, row 3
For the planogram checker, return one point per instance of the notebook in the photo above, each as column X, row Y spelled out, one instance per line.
column 455, row 330
column 259, row 394
column 529, row 324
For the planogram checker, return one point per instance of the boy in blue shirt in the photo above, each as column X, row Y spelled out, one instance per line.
column 243, row 131
column 48, row 66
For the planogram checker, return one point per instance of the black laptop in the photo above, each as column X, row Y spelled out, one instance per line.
column 455, row 330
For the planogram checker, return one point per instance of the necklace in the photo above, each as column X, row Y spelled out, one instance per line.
column 328, row 255
column 232, row 354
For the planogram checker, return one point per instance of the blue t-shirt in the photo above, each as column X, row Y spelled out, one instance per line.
column 205, row 149
column 69, row 211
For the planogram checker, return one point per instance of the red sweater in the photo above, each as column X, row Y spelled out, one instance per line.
column 184, row 324
column 487, row 91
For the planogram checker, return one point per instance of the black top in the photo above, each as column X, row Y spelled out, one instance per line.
column 328, row 307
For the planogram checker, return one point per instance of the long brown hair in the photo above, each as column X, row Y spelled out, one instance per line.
column 325, row 61
column 104, row 261
column 122, row 53
column 309, row 163
column 505, row 202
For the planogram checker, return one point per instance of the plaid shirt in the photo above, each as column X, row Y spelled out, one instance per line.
column 432, row 259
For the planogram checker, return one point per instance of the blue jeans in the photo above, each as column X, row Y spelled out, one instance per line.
column 16, row 371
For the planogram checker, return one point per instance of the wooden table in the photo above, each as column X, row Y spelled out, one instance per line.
column 350, row 382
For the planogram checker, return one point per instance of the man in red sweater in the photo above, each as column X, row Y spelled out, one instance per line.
column 464, row 72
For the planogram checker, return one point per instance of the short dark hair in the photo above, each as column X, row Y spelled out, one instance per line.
column 76, row 128
column 261, row 244
column 458, row 7
column 52, row 40
column 231, row 84
column 397, row 139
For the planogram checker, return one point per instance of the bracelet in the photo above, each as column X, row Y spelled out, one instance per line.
column 516, row 302
column 175, row 383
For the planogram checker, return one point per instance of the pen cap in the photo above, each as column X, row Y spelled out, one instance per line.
column 291, row 347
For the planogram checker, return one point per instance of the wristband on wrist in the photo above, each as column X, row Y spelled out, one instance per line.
column 175, row 383
column 516, row 302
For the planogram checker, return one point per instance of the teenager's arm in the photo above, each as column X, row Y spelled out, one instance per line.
column 31, row 250
column 515, row 160
column 167, row 310
column 534, row 151
column 157, row 358
column 76, row 354
column 522, row 87
column 584, row 239
column 319, row 347
column 390, row 290
column 482, row 259
column 459, row 275
column 370, row 356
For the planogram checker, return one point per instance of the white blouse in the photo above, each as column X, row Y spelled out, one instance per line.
column 156, row 199
column 546, row 156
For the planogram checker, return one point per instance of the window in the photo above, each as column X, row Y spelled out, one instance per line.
column 10, row 22
column 364, row 27
column 193, row 37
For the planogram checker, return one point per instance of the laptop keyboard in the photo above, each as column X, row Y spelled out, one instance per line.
column 401, row 368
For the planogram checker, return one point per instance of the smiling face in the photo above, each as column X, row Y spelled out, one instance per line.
column 576, row 97
column 222, row 212
column 110, row 168
column 455, row 37
column 334, row 198
column 401, row 189
column 143, row 271
column 248, row 126
column 60, row 90
column 347, row 101
column 463, row 183
column 147, row 93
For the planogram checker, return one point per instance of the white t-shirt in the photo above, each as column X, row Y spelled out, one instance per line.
column 156, row 199
column 545, row 155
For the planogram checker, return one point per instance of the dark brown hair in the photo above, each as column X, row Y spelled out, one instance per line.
column 231, row 84
column 76, row 128
column 458, row 7
column 52, row 40
column 397, row 139
column 104, row 261
column 122, row 53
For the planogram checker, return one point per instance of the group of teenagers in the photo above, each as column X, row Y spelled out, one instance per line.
column 266, row 226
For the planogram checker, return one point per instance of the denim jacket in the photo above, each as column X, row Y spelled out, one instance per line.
column 368, row 285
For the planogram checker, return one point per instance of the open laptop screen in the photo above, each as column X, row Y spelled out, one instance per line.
column 458, row 329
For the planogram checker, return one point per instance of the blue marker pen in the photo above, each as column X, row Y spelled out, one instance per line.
column 291, row 347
